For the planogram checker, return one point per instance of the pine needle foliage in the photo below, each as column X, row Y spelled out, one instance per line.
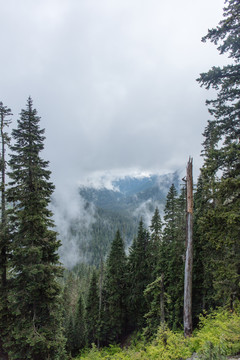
column 35, row 298
column 115, row 292
column 92, row 311
column 219, row 222
column 139, row 276
column 79, row 326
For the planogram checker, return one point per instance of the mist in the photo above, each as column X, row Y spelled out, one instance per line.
column 73, row 218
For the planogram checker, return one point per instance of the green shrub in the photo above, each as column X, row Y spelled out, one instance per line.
column 221, row 328
column 211, row 352
column 218, row 335
column 168, row 345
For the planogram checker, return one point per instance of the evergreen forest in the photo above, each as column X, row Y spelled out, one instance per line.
column 129, row 305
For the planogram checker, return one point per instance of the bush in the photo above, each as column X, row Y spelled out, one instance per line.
column 218, row 335
column 221, row 329
column 211, row 352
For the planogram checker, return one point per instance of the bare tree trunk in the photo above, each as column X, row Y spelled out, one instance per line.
column 187, row 317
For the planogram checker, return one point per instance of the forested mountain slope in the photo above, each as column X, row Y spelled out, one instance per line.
column 117, row 208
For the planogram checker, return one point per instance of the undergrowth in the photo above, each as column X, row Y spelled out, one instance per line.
column 217, row 336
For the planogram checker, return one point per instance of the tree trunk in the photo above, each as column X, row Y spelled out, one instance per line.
column 189, row 255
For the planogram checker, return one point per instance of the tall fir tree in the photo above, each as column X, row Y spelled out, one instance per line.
column 5, row 112
column 139, row 277
column 79, row 327
column 205, row 201
column 154, row 292
column 69, row 296
column 37, row 330
column 92, row 312
column 222, row 160
column 156, row 298
column 204, row 263
column 115, row 291
column 180, row 253
column 70, row 336
column 169, row 232
column 170, row 215
column 155, row 244
column 172, row 255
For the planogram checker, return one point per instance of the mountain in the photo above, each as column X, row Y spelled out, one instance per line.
column 130, row 192
column 88, row 237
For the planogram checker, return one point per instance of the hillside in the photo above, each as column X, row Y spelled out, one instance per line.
column 129, row 193
column 106, row 210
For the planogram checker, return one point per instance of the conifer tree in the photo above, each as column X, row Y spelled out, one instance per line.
column 37, row 332
column 203, row 266
column 222, row 160
column 156, row 298
column 70, row 336
column 66, row 298
column 69, row 297
column 139, row 277
column 170, row 231
column 79, row 327
column 115, row 291
column 92, row 311
column 180, row 252
column 172, row 255
column 154, row 292
column 4, row 231
column 205, row 201
column 155, row 244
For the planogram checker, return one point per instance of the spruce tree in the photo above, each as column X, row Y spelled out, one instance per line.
column 156, row 298
column 79, row 327
column 154, row 292
column 70, row 336
column 204, row 253
column 155, row 244
column 5, row 112
column 69, row 296
column 170, row 215
column 139, row 277
column 37, row 332
column 115, row 291
column 92, row 311
column 169, row 232
column 205, row 201
column 180, row 252
column 222, row 160
column 172, row 255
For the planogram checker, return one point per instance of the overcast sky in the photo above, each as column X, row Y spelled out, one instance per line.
column 113, row 80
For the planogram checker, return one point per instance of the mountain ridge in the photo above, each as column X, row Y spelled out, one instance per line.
column 108, row 209
column 129, row 192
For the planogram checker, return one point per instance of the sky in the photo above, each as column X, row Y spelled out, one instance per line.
column 114, row 81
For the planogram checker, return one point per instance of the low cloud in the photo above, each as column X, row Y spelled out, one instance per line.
column 73, row 219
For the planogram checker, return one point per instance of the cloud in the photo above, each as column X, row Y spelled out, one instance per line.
column 73, row 219
column 146, row 211
column 114, row 81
